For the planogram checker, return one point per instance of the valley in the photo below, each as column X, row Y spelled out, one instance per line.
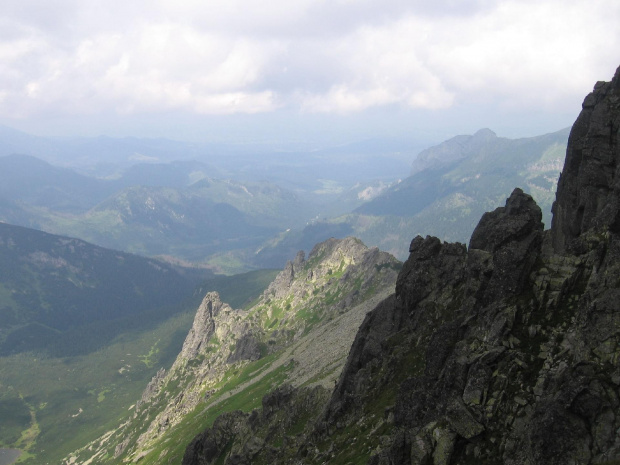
column 309, row 233
column 52, row 403
column 74, row 382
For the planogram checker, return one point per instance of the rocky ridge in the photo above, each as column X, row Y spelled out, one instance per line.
column 298, row 332
column 506, row 351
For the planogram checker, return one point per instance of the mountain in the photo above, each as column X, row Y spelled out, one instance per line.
column 209, row 216
column 299, row 331
column 451, row 186
column 31, row 181
column 167, row 221
column 94, row 155
column 174, row 209
column 293, row 165
column 458, row 148
column 82, row 331
column 505, row 351
column 176, row 174
column 467, row 165
column 27, row 182
column 66, row 296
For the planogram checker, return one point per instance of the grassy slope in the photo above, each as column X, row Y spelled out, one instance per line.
column 51, row 406
column 74, row 399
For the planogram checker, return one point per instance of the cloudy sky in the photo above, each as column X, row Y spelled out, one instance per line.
column 301, row 69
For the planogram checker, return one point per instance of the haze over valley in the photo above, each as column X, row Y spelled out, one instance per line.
column 70, row 305
column 309, row 232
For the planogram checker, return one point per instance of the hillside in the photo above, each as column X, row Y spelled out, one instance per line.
column 56, row 397
column 79, row 327
column 505, row 351
column 299, row 331
column 66, row 296
column 27, row 180
column 177, row 210
column 451, row 185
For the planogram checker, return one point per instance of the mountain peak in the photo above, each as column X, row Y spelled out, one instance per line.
column 299, row 330
column 452, row 150
column 484, row 133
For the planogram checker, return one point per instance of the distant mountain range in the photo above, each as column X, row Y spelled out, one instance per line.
column 199, row 203
column 299, row 167
column 191, row 211
column 450, row 187
column 174, row 209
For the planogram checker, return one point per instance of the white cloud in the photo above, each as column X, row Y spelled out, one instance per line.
column 525, row 53
column 375, row 67
column 341, row 56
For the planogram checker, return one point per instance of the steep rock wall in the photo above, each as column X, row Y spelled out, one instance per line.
column 504, row 352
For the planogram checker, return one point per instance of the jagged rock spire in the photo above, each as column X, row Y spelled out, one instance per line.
column 588, row 195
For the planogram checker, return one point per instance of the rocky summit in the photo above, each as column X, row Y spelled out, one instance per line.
column 294, row 337
column 506, row 351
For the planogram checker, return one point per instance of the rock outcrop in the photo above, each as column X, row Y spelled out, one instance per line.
column 510, row 349
column 589, row 187
column 262, row 436
column 203, row 328
column 504, row 352
column 297, row 332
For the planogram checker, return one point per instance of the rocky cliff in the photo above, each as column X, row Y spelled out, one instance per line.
column 506, row 351
column 297, row 333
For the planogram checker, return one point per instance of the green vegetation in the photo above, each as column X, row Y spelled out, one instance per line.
column 67, row 297
column 149, row 359
column 50, row 406
column 175, row 441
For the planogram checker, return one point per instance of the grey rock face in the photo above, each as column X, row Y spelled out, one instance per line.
column 247, row 348
column 260, row 437
column 516, row 222
column 204, row 325
column 206, row 447
column 513, row 235
column 508, row 352
column 520, row 345
column 588, row 195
